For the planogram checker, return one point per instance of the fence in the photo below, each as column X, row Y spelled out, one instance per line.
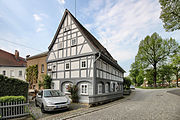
column 13, row 109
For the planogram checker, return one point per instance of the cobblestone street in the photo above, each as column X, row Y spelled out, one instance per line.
column 143, row 104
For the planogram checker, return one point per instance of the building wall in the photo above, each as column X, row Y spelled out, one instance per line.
column 38, row 61
column 14, row 72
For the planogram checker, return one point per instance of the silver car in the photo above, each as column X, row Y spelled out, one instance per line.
column 52, row 100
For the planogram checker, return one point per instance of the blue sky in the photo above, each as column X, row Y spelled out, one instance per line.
column 118, row 24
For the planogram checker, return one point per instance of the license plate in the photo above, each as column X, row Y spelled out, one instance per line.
column 61, row 106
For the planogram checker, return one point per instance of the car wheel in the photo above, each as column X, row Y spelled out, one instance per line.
column 42, row 109
column 36, row 103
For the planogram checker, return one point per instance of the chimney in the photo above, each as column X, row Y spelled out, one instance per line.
column 16, row 54
column 27, row 56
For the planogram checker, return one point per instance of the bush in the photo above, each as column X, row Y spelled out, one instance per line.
column 12, row 98
column 13, row 87
column 74, row 93
column 47, row 81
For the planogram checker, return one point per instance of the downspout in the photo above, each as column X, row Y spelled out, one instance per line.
column 98, row 57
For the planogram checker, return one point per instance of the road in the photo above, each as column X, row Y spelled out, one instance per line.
column 145, row 104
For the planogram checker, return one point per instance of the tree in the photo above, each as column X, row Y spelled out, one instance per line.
column 127, row 82
column 176, row 66
column 32, row 75
column 73, row 89
column 153, row 49
column 47, row 81
column 170, row 14
column 149, row 76
column 134, row 71
column 165, row 73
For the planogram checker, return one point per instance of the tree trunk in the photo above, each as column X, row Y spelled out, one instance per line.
column 155, row 74
column 163, row 82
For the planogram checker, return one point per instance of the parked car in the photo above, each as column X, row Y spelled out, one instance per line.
column 132, row 87
column 52, row 100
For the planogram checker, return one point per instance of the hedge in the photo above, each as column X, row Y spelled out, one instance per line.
column 13, row 87
column 12, row 98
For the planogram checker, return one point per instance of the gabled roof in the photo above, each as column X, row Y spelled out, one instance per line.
column 8, row 59
column 86, row 34
column 38, row 56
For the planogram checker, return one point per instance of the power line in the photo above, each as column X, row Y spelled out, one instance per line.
column 19, row 44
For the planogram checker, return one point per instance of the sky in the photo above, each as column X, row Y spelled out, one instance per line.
column 30, row 25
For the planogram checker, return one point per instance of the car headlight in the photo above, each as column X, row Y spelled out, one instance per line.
column 50, row 103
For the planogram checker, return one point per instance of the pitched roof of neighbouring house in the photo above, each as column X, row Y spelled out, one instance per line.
column 88, row 35
column 9, row 59
column 38, row 56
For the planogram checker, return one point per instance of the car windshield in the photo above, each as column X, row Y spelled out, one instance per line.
column 53, row 93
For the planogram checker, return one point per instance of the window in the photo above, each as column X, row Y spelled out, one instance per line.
column 20, row 73
column 67, row 66
column 12, row 73
column 100, row 88
column 4, row 72
column 54, row 68
column 73, row 42
column 42, row 68
column 84, row 89
column 106, row 88
column 60, row 45
column 83, row 64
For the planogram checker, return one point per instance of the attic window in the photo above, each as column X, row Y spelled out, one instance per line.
column 73, row 42
column 60, row 45
column 67, row 28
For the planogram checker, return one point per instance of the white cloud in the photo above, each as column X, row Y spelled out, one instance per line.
column 124, row 23
column 61, row 1
column 40, row 28
column 37, row 17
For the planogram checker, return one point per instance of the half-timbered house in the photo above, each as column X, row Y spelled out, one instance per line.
column 76, row 57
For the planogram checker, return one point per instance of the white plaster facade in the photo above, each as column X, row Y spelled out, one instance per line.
column 13, row 72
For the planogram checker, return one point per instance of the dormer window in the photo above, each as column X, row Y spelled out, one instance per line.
column 73, row 42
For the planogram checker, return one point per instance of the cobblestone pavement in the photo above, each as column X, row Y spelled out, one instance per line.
column 153, row 104
column 36, row 111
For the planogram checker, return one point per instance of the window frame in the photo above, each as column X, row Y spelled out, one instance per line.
column 74, row 39
column 66, row 66
column 86, row 92
column 19, row 73
column 84, row 61
column 42, row 68
column 4, row 72
column 100, row 84
column 12, row 74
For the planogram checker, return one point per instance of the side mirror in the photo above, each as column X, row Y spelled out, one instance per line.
column 39, row 96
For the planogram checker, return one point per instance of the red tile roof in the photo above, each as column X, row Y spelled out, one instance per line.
column 8, row 59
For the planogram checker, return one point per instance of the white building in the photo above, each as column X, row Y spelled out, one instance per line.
column 11, row 65
column 76, row 57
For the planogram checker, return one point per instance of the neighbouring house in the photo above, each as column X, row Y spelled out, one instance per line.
column 12, row 65
column 76, row 57
column 40, row 61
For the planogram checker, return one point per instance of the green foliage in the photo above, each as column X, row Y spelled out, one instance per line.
column 153, row 50
column 159, row 87
column 12, row 98
column 134, row 71
column 165, row 73
column 47, row 81
column 13, row 87
column 40, row 84
column 127, row 82
column 32, row 74
column 140, row 80
column 170, row 14
column 73, row 89
column 175, row 59
column 149, row 73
